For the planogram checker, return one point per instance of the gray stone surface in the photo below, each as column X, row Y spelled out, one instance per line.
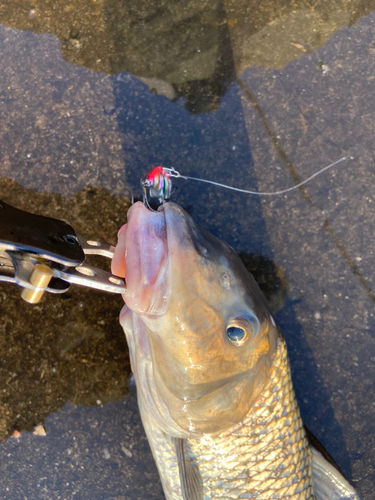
column 74, row 143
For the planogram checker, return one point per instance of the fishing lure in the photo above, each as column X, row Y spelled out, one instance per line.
column 158, row 183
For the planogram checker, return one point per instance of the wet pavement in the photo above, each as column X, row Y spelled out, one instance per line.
column 258, row 95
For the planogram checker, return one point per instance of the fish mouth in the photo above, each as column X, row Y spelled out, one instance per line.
column 146, row 261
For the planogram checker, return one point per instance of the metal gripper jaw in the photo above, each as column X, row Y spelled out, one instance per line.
column 42, row 254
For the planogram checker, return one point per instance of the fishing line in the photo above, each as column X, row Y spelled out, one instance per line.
column 262, row 193
column 158, row 183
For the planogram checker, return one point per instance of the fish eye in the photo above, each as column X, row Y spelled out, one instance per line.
column 240, row 330
column 236, row 335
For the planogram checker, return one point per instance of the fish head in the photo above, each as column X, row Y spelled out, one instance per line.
column 200, row 334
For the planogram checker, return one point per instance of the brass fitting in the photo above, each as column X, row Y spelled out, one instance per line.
column 40, row 277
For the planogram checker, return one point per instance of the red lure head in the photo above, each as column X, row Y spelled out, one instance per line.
column 158, row 181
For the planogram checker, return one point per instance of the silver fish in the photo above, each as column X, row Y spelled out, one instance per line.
column 211, row 368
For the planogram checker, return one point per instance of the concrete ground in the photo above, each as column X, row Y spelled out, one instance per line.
column 256, row 95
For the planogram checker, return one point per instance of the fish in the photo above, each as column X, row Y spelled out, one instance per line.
column 211, row 368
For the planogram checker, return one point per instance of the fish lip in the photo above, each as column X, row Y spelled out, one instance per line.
column 124, row 311
column 146, row 290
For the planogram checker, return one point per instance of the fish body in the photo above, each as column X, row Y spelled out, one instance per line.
column 265, row 456
column 211, row 368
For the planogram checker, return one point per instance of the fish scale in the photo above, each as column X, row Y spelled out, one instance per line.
column 266, row 456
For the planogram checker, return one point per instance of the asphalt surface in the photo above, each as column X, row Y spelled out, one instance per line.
column 269, row 96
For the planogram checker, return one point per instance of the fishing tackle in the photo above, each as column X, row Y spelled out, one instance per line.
column 42, row 254
column 159, row 183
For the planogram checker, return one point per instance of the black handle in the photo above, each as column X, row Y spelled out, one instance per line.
column 52, row 239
